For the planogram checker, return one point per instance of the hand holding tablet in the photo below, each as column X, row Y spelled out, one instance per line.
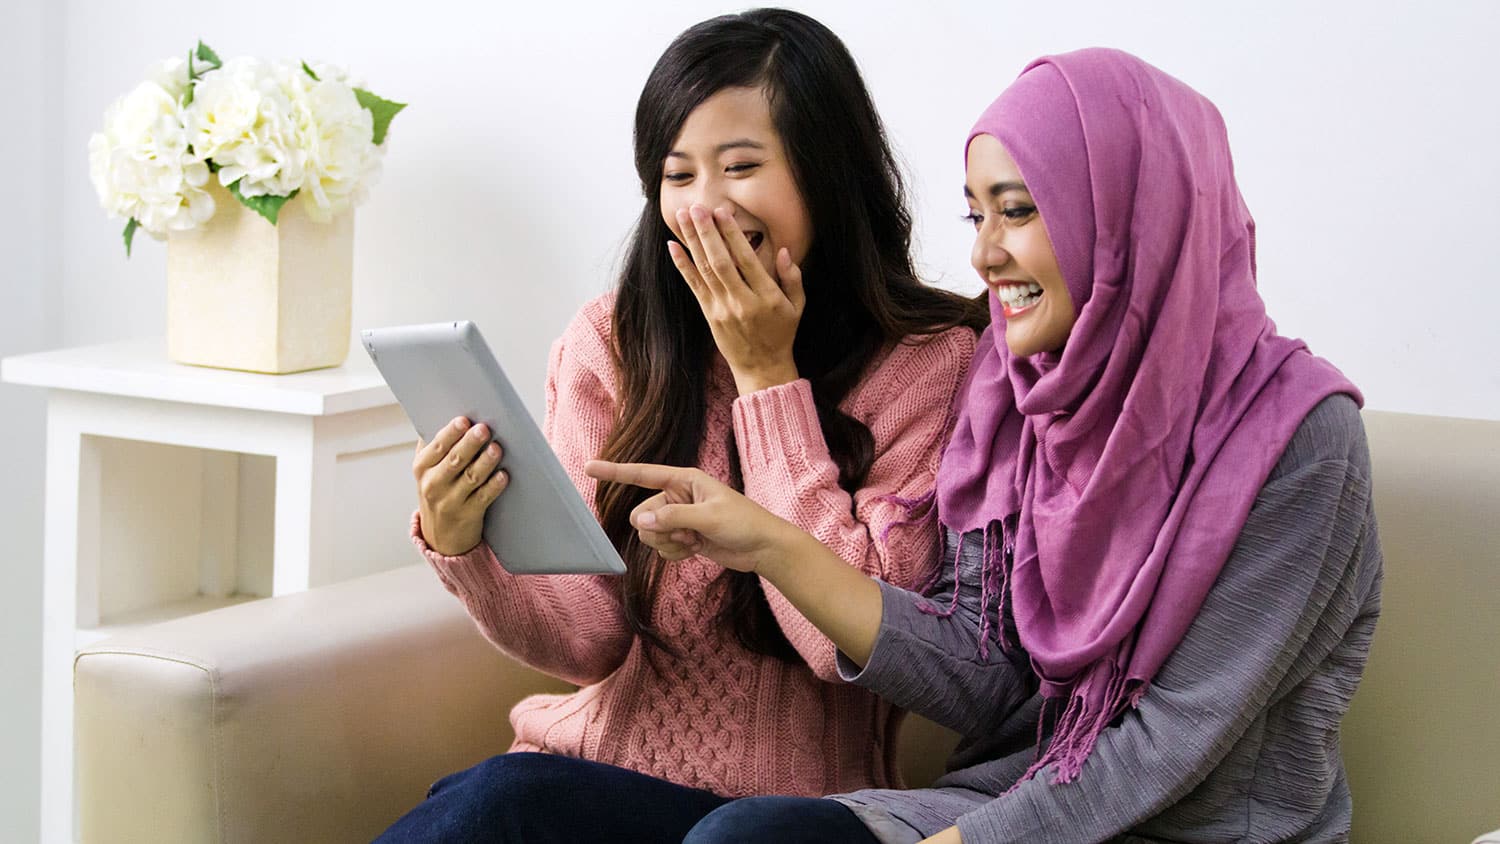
column 458, row 477
column 537, row 523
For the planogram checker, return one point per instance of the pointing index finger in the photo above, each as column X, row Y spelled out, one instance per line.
column 645, row 475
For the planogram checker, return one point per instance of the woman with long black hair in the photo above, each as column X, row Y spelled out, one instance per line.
column 769, row 327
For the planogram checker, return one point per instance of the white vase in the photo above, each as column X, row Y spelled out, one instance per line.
column 244, row 294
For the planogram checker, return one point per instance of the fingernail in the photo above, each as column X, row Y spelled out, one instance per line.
column 646, row 520
column 481, row 431
column 699, row 212
column 463, row 424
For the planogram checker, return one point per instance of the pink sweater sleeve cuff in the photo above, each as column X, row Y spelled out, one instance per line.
column 778, row 423
column 476, row 571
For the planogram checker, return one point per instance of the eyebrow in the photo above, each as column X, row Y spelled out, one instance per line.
column 738, row 143
column 998, row 188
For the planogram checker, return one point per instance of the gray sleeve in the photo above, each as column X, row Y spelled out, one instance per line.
column 931, row 665
column 1292, row 588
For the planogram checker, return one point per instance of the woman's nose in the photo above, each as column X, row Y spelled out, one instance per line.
column 987, row 254
column 710, row 194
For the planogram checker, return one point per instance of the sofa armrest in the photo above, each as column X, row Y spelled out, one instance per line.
column 319, row 716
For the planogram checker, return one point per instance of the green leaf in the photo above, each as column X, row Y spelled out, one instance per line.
column 130, row 228
column 208, row 55
column 310, row 72
column 267, row 206
column 193, row 74
column 381, row 109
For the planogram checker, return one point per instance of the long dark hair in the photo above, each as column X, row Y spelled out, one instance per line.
column 862, row 291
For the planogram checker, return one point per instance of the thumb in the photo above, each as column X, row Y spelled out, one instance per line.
column 790, row 276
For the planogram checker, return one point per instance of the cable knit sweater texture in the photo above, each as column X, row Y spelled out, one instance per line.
column 719, row 717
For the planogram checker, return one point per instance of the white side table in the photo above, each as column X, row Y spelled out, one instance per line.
column 130, row 391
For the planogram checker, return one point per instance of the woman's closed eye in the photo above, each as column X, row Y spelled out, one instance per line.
column 679, row 177
column 1013, row 214
column 1017, row 213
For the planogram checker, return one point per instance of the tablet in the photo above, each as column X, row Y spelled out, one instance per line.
column 539, row 524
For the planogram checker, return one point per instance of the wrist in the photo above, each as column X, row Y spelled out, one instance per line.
column 752, row 380
column 460, row 548
column 781, row 549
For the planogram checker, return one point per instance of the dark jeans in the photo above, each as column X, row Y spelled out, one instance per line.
column 537, row 798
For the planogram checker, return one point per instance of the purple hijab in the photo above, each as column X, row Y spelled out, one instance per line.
column 1120, row 471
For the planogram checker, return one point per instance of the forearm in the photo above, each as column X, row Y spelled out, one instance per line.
column 559, row 624
column 931, row 664
column 842, row 602
column 569, row 626
column 788, row 470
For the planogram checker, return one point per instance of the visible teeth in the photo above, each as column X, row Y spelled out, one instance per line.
column 1017, row 296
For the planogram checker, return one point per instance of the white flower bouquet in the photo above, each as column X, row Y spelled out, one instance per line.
column 270, row 132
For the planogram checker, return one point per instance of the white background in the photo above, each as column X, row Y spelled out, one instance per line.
column 1366, row 136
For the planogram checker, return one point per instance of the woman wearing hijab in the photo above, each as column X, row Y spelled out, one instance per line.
column 1163, row 571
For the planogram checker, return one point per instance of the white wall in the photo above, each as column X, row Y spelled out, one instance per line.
column 1364, row 131
column 29, row 321
column 1365, row 134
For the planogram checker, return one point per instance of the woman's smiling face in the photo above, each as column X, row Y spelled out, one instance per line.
column 1013, row 252
column 729, row 155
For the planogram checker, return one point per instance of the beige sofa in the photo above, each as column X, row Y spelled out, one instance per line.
column 323, row 716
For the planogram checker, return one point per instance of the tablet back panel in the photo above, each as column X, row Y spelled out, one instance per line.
column 540, row 524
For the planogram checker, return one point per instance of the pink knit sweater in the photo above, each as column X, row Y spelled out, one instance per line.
column 719, row 717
